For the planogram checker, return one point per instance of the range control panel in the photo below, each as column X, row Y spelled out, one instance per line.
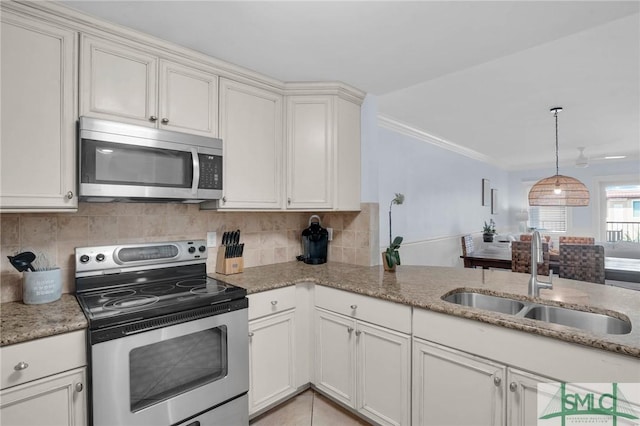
column 115, row 258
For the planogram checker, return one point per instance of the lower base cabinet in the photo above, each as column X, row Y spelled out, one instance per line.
column 451, row 387
column 364, row 366
column 57, row 400
column 271, row 359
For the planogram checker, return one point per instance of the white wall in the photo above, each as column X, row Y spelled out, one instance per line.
column 442, row 189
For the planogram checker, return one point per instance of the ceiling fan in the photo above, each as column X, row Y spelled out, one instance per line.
column 582, row 160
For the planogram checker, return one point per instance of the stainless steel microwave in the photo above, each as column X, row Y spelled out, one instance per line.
column 125, row 162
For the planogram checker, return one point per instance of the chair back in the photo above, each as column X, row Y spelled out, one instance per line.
column 576, row 240
column 467, row 244
column 525, row 237
column 582, row 262
column 521, row 258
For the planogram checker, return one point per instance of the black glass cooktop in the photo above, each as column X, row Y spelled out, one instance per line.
column 118, row 304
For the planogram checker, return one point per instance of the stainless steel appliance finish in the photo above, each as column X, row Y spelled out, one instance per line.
column 125, row 162
column 168, row 345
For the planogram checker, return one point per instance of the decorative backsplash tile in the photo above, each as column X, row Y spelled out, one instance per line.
column 269, row 237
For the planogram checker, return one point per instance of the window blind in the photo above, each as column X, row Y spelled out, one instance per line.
column 548, row 218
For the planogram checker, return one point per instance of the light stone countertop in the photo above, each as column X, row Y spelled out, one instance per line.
column 417, row 286
column 21, row 323
column 424, row 286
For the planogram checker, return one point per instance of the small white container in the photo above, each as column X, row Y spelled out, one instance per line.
column 41, row 286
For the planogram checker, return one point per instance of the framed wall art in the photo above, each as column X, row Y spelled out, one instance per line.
column 494, row 201
column 486, row 192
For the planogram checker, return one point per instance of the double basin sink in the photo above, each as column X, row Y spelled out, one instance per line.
column 590, row 321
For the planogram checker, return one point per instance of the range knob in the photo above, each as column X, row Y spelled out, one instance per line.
column 84, row 258
column 100, row 257
column 201, row 249
column 192, row 249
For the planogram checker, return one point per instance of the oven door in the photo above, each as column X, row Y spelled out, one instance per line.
column 167, row 375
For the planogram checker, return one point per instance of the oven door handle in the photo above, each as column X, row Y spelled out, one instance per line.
column 196, row 171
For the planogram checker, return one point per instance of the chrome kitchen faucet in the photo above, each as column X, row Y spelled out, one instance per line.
column 537, row 258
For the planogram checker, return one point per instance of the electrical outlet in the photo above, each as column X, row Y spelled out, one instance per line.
column 211, row 239
column 330, row 231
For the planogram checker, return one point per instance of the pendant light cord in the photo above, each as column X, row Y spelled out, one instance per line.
column 555, row 113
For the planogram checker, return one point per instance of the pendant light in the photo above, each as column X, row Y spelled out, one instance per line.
column 559, row 190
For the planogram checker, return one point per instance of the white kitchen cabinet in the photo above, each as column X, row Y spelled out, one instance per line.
column 323, row 153
column 522, row 397
column 454, row 388
column 52, row 401
column 272, row 347
column 122, row 83
column 364, row 366
column 44, row 381
column 38, row 169
column 251, row 126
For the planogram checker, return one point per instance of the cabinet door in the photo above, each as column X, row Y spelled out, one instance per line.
column 38, row 169
column 271, row 359
column 251, row 131
column 118, row 83
column 383, row 384
column 188, row 100
column 522, row 398
column 56, row 400
column 310, row 132
column 335, row 356
column 454, row 388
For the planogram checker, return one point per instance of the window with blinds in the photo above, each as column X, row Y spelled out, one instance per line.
column 548, row 218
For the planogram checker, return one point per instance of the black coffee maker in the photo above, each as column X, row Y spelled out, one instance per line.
column 315, row 241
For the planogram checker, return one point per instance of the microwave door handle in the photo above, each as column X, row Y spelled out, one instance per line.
column 196, row 171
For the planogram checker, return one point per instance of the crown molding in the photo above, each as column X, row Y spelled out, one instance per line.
column 411, row 131
column 338, row 88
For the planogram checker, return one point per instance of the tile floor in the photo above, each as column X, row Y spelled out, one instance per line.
column 308, row 409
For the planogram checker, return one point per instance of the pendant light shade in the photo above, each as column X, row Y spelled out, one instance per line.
column 559, row 190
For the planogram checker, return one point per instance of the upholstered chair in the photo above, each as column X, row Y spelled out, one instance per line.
column 521, row 258
column 582, row 262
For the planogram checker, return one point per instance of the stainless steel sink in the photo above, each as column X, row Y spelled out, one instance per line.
column 486, row 302
column 590, row 321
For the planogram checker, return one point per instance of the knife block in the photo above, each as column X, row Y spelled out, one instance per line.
column 228, row 266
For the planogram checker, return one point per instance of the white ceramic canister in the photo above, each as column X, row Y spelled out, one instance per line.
column 41, row 286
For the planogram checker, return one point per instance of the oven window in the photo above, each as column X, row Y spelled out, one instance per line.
column 168, row 368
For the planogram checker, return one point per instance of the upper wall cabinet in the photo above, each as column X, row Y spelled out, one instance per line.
column 38, row 168
column 126, row 84
column 323, row 153
column 251, row 131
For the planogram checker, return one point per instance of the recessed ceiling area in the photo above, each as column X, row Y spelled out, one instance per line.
column 480, row 74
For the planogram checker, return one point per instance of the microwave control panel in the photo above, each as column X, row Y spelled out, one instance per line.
column 210, row 171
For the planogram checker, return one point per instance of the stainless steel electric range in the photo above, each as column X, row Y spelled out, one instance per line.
column 167, row 344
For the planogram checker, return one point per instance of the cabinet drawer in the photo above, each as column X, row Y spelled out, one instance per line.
column 377, row 311
column 271, row 302
column 42, row 357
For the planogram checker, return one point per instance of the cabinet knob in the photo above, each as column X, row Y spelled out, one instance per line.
column 153, row 118
column 497, row 380
column 21, row 366
column 79, row 387
column 224, row 200
column 165, row 121
column 358, row 333
column 251, row 334
column 349, row 330
column 274, row 302
column 289, row 200
column 513, row 386
column 70, row 195
column 354, row 306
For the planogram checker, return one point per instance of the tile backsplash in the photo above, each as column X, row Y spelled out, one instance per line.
column 269, row 237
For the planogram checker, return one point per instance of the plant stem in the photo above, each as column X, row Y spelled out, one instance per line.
column 390, row 242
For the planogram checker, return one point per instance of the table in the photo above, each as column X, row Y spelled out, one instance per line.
column 615, row 268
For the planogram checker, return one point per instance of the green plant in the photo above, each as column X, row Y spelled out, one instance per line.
column 489, row 228
column 392, row 254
